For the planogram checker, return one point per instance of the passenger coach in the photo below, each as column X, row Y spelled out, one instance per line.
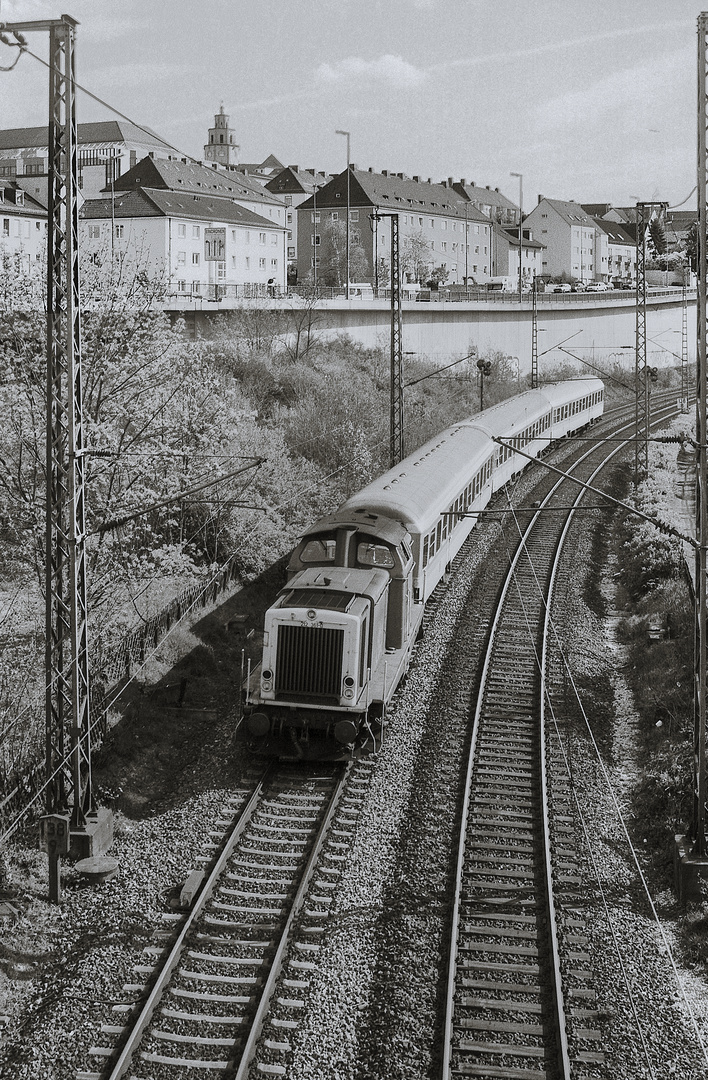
column 338, row 639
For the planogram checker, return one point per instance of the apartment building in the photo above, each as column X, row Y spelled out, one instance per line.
column 294, row 186
column 437, row 227
column 568, row 235
column 105, row 150
column 23, row 230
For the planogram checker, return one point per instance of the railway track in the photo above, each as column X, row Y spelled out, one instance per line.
column 519, row 995
column 225, row 992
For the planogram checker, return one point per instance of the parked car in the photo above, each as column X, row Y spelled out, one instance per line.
column 559, row 286
column 577, row 286
column 597, row 286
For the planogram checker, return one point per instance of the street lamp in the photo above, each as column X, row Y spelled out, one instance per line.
column 348, row 136
column 520, row 177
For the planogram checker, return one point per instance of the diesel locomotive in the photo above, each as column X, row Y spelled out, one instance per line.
column 339, row 637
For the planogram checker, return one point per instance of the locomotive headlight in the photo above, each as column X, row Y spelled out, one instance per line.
column 311, row 614
column 349, row 693
column 266, row 677
column 348, row 681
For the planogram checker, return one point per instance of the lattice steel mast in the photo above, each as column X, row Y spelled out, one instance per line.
column 645, row 212
column 534, row 336
column 397, row 449
column 68, row 744
column 698, row 824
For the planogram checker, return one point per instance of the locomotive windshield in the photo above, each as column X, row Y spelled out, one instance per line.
column 318, row 551
column 374, row 555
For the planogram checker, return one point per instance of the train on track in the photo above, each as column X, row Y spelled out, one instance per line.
column 339, row 637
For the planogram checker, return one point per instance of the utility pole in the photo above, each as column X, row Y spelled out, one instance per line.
column 646, row 211
column 698, row 826
column 396, row 437
column 397, row 447
column 67, row 705
column 684, row 346
column 690, row 858
column 348, row 135
column 534, row 336
column 520, row 177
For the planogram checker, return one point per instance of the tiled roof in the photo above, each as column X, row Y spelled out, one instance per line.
column 30, row 208
column 105, row 131
column 571, row 212
column 394, row 193
column 171, row 174
column 616, row 233
column 156, row 202
column 486, row 195
column 512, row 236
column 297, row 181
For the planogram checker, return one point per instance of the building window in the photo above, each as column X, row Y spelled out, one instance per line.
column 262, row 238
column 335, row 215
column 6, row 226
column 196, row 232
column 181, row 230
column 220, row 271
column 38, row 226
column 288, row 200
column 248, row 262
column 290, row 235
column 94, row 231
column 444, row 245
column 273, row 238
column 315, row 217
column 261, row 264
column 119, row 231
column 196, row 286
column 291, row 252
column 274, row 264
column 289, row 218
column 443, row 224
column 248, row 237
column 233, row 234
column 233, row 262
column 181, row 258
column 195, row 258
column 353, row 215
column 181, row 286
column 316, row 240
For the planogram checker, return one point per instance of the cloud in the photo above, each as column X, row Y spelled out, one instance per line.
column 393, row 70
column 649, row 92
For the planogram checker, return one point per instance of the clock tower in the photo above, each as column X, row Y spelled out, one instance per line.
column 221, row 146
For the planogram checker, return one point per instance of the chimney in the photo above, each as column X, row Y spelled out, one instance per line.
column 215, row 165
column 184, row 160
column 443, row 183
column 471, row 183
column 463, row 181
column 151, row 154
column 311, row 172
column 487, row 187
column 384, row 172
column 430, row 179
column 295, row 168
column 450, row 181
column 352, row 166
column 540, row 199
column 370, row 169
column 497, row 190
column 400, row 175
column 416, row 179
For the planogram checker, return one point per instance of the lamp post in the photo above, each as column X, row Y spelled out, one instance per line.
column 348, row 136
column 520, row 177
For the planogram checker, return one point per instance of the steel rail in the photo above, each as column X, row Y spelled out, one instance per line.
column 455, row 921
column 175, row 954
column 249, row 1049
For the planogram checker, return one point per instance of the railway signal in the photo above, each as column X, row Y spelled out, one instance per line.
column 485, row 368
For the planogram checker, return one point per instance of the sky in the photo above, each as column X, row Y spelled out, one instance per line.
column 593, row 101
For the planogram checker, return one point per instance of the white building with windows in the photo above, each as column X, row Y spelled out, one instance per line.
column 195, row 243
column 437, row 223
column 23, row 230
column 569, row 236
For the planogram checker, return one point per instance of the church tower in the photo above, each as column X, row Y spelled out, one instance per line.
column 221, row 146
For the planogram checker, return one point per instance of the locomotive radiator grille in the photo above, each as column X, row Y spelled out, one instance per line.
column 309, row 661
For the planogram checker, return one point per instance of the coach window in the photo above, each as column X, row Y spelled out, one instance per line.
column 374, row 555
column 317, row 551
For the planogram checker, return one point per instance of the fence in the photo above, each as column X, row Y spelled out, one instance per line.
column 108, row 669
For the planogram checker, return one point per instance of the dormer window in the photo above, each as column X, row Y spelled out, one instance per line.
column 19, row 198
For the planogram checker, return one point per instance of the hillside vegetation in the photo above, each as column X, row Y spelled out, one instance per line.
column 293, row 425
